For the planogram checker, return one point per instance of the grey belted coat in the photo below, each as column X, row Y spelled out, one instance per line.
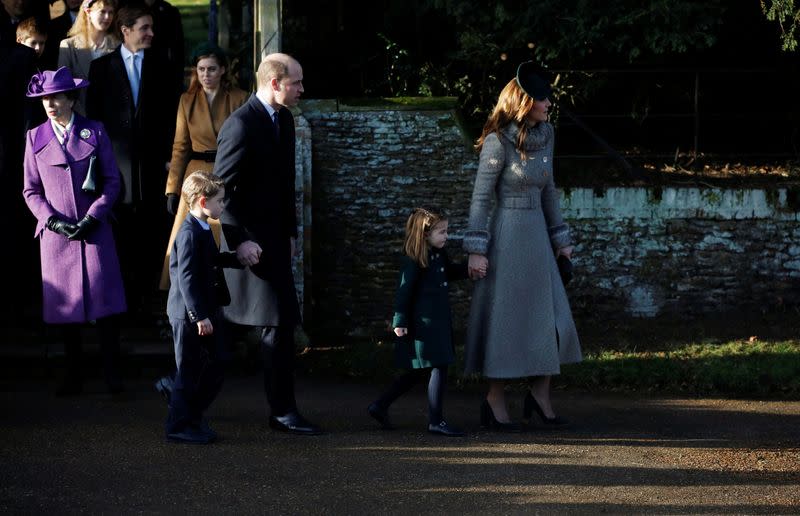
column 520, row 322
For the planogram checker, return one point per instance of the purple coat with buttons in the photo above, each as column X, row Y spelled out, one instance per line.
column 81, row 280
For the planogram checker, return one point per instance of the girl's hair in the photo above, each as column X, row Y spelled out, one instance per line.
column 512, row 106
column 226, row 83
column 200, row 184
column 419, row 223
column 82, row 21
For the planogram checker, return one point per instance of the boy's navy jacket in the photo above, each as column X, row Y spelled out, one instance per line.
column 197, row 285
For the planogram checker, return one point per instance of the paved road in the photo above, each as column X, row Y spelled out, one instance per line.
column 623, row 454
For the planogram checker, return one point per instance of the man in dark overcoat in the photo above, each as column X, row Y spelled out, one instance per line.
column 255, row 157
column 133, row 92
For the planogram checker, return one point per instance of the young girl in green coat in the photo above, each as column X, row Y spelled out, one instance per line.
column 422, row 320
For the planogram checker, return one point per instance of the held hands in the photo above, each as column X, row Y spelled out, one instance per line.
column 62, row 227
column 477, row 266
column 565, row 251
column 172, row 203
column 248, row 253
column 205, row 327
column 401, row 332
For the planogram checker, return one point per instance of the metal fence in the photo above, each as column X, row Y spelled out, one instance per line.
column 658, row 113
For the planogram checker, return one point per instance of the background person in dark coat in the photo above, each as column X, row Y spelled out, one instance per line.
column 255, row 157
column 17, row 64
column 58, row 29
column 141, row 122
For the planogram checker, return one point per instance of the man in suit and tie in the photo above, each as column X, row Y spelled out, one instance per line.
column 255, row 158
column 135, row 96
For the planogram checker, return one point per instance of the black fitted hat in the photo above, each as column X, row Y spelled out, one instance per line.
column 534, row 80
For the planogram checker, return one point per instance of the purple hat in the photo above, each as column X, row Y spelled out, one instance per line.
column 50, row 83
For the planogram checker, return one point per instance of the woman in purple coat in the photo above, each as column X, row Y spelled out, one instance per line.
column 70, row 185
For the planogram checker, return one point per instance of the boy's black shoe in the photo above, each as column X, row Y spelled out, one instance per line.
column 444, row 429
column 164, row 387
column 204, row 428
column 189, row 435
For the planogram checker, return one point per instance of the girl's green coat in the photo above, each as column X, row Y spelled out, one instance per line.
column 422, row 305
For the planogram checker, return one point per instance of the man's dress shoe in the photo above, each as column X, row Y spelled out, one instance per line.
column 294, row 423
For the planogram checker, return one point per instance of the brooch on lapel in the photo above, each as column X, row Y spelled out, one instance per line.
column 85, row 133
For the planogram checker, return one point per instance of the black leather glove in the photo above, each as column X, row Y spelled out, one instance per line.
column 172, row 203
column 62, row 227
column 85, row 226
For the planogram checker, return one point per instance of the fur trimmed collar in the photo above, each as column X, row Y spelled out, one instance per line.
column 538, row 138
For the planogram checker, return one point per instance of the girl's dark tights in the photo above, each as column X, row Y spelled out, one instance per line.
column 403, row 383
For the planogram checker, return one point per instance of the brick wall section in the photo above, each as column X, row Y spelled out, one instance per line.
column 640, row 252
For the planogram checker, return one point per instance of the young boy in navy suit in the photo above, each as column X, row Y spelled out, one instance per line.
column 196, row 293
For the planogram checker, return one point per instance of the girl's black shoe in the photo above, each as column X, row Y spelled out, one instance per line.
column 531, row 405
column 490, row 422
column 380, row 415
column 444, row 429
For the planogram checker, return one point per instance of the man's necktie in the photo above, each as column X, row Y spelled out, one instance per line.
column 135, row 79
column 276, row 125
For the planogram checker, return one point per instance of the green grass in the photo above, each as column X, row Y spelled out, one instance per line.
column 738, row 368
column 742, row 369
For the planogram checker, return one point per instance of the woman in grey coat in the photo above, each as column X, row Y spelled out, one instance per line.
column 520, row 322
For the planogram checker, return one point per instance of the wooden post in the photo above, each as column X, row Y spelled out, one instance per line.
column 268, row 32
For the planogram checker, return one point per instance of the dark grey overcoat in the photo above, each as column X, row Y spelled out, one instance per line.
column 520, row 322
column 258, row 169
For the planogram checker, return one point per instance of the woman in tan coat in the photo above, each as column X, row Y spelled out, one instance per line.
column 89, row 38
column 208, row 102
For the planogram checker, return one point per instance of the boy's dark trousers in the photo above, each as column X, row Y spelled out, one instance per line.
column 199, row 377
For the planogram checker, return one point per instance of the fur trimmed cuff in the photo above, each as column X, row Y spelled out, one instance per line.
column 476, row 242
column 559, row 236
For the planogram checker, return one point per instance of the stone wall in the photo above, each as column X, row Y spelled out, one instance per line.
column 370, row 168
column 641, row 252
column 682, row 251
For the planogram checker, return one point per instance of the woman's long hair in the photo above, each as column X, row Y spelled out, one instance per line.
column 419, row 223
column 82, row 22
column 512, row 106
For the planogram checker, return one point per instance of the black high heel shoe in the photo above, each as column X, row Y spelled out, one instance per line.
column 490, row 422
column 531, row 405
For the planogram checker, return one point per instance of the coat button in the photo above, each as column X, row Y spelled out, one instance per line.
column 444, row 284
column 442, row 269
